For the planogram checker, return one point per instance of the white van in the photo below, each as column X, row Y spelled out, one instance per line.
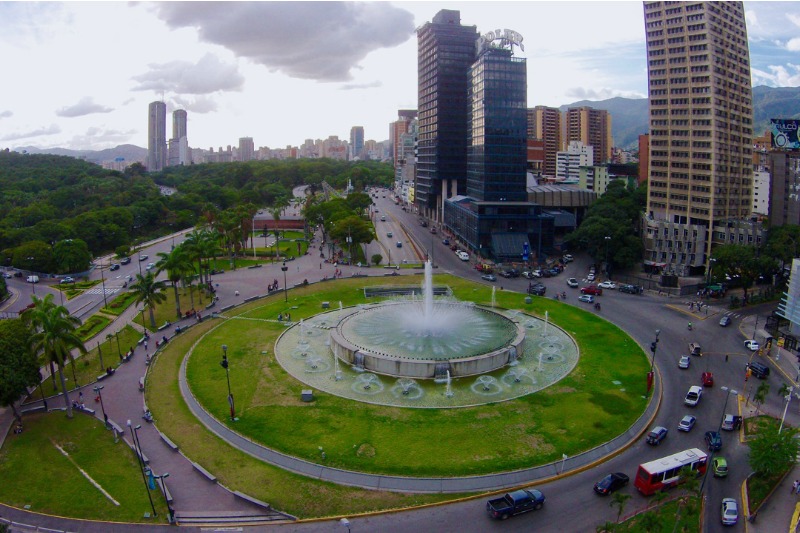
column 33, row 279
column 464, row 256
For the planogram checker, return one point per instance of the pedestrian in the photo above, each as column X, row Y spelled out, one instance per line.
column 145, row 345
column 80, row 397
column 320, row 266
column 726, row 358
column 794, row 486
column 797, row 490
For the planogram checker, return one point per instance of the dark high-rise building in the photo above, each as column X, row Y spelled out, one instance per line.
column 356, row 142
column 446, row 50
column 157, row 137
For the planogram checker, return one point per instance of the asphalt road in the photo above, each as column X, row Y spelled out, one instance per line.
column 571, row 503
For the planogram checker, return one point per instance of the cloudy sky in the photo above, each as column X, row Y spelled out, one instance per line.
column 80, row 75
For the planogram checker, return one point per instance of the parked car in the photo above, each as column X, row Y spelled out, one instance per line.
column 610, row 483
column 730, row 512
column 631, row 289
column 707, row 378
column 66, row 280
column 693, row 396
column 489, row 277
column 537, row 289
column 725, row 321
column 759, row 370
column 588, row 298
column 125, row 260
column 607, row 285
column 446, row 241
column 687, row 423
column 464, row 256
column 731, row 422
column 719, row 465
column 572, row 282
column 8, row 275
column 592, row 289
column 684, row 361
column 115, row 266
column 567, row 258
column 752, row 345
column 150, row 266
column 656, row 435
column 514, row 503
column 713, row 440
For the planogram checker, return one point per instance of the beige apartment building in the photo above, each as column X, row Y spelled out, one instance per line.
column 700, row 162
column 592, row 127
column 544, row 124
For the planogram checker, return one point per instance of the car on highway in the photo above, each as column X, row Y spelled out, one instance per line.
column 687, row 423
column 115, row 266
column 390, row 234
column 610, row 483
column 572, row 282
column 656, row 435
column 684, row 361
column 567, row 258
column 751, row 345
column 489, row 277
column 730, row 512
column 707, row 379
column 66, row 280
column 32, row 279
column 588, row 298
column 607, row 285
column 693, row 396
column 719, row 465
column 592, row 289
column 150, row 266
column 725, row 321
column 713, row 440
column 125, row 260
column 383, row 218
column 399, row 244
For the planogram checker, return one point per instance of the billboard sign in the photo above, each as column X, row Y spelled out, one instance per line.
column 784, row 133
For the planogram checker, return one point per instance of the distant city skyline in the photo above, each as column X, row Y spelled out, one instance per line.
column 284, row 72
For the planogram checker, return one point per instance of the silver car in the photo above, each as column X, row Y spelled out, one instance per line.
column 730, row 512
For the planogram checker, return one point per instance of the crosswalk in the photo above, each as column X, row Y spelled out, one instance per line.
column 99, row 290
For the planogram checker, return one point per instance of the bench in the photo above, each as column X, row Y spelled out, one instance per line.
column 30, row 410
column 164, row 489
column 252, row 500
column 86, row 410
column 211, row 477
column 326, row 305
column 168, row 442
column 141, row 341
column 227, row 308
column 164, row 326
column 102, row 376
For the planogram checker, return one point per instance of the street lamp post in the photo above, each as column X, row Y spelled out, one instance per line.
column 284, row 268
column 253, row 236
column 32, row 259
column 788, row 398
column 103, row 278
column 170, row 510
column 97, row 390
column 100, row 354
column 138, row 451
column 224, row 364
column 651, row 374
column 41, row 390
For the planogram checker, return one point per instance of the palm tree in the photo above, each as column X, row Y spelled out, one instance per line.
column 618, row 500
column 761, row 394
column 54, row 336
column 149, row 292
column 176, row 263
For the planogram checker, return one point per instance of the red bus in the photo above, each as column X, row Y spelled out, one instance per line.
column 665, row 472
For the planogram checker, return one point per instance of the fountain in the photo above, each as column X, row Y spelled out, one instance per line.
column 494, row 300
column 425, row 339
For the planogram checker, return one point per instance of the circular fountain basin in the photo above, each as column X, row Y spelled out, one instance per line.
column 403, row 339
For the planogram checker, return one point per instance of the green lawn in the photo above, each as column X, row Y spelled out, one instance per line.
column 36, row 474
column 664, row 518
column 581, row 411
column 120, row 303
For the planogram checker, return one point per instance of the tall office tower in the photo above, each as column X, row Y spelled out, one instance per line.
column 157, row 137
column 497, row 153
column 247, row 151
column 398, row 128
column 446, row 49
column 592, row 127
column 357, row 142
column 701, row 116
column 178, row 153
column 544, row 124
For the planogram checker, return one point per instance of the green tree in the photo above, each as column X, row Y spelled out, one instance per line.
column 36, row 256
column 377, row 258
column 783, row 243
column 71, row 255
column 177, row 264
column 742, row 263
column 771, row 452
column 761, row 394
column 53, row 335
column 18, row 366
column 354, row 228
column 619, row 500
column 650, row 521
column 149, row 292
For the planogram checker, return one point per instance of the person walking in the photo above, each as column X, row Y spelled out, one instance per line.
column 794, row 486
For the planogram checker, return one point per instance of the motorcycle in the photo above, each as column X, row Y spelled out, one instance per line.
column 690, row 326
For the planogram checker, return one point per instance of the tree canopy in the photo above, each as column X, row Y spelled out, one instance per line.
column 18, row 367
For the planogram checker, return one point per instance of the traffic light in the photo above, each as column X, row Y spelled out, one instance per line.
column 224, row 362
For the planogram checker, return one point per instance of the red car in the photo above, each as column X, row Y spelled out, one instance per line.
column 708, row 379
column 592, row 289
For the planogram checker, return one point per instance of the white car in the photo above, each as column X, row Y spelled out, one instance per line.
column 752, row 345
column 683, row 362
column 590, row 277
column 693, row 396
column 464, row 256
column 572, row 282
column 150, row 266
column 607, row 285
column 730, row 512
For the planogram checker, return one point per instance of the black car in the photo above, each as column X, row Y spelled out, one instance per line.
column 115, row 266
column 630, row 289
column 537, row 289
column 610, row 483
column 713, row 440
column 759, row 370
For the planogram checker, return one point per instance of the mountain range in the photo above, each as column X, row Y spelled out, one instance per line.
column 629, row 119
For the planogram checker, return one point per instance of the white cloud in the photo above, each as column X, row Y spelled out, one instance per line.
column 85, row 106
column 793, row 45
column 778, row 76
column 199, row 104
column 53, row 129
column 208, row 75
column 321, row 41
column 99, row 138
column 5, row 114
column 794, row 19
